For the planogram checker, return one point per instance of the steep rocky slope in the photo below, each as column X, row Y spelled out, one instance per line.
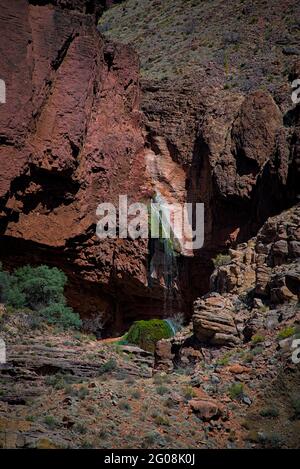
column 250, row 45
column 241, row 340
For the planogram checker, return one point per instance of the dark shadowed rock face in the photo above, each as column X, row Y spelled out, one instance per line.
column 238, row 153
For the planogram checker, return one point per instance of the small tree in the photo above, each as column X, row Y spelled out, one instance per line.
column 40, row 289
column 41, row 285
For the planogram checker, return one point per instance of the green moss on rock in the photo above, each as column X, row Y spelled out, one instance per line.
column 145, row 334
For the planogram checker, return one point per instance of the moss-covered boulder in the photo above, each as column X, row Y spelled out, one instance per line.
column 145, row 334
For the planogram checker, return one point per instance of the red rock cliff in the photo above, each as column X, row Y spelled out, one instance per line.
column 70, row 138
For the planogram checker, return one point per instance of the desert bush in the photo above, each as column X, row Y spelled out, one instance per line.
column 270, row 440
column 108, row 366
column 236, row 390
column 150, row 439
column 257, row 339
column 221, row 259
column 248, row 357
column 161, row 378
column 136, row 394
column 189, row 392
column 161, row 420
column 80, row 428
column 61, row 315
column 225, row 359
column 257, row 350
column 124, row 405
column 40, row 289
column 161, row 390
column 51, row 422
column 269, row 412
column 286, row 332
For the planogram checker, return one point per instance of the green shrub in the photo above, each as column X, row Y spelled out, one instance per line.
column 223, row 361
column 41, row 289
column 160, row 378
column 161, row 420
column 41, row 285
column 61, row 315
column 110, row 365
column 51, row 422
column 136, row 394
column 221, row 259
column 189, row 392
column 124, row 405
column 80, row 428
column 10, row 294
column 236, row 390
column 146, row 334
column 86, row 444
column 161, row 390
column 286, row 332
column 150, row 439
column 248, row 357
column 4, row 284
column 257, row 339
column 257, row 350
column 269, row 412
column 83, row 392
column 269, row 440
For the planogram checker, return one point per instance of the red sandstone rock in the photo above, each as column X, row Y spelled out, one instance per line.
column 238, row 369
column 71, row 137
column 234, row 150
column 206, row 409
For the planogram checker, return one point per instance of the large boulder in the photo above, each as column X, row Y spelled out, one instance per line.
column 213, row 320
column 206, row 410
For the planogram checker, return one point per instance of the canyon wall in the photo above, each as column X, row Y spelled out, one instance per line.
column 78, row 129
column 71, row 138
column 239, row 154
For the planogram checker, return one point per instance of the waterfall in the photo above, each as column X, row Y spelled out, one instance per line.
column 170, row 322
column 163, row 264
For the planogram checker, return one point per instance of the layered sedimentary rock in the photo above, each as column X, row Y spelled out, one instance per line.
column 258, row 288
column 267, row 265
column 238, row 155
column 255, row 293
column 214, row 320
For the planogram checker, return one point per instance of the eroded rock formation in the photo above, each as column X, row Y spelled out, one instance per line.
column 73, row 135
column 239, row 158
column 255, row 292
